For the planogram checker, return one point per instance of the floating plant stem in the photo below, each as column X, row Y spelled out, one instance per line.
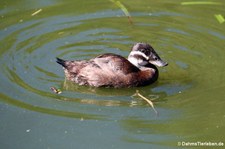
column 147, row 100
column 219, row 18
column 124, row 9
column 200, row 3
column 36, row 12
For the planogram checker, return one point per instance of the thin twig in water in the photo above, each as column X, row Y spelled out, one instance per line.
column 147, row 100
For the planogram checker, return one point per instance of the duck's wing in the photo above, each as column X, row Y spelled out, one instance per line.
column 115, row 63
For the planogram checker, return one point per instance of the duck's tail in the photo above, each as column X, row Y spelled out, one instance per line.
column 61, row 62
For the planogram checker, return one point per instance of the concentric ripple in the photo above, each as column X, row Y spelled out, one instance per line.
column 28, row 67
column 189, row 94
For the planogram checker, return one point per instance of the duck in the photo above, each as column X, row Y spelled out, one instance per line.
column 113, row 70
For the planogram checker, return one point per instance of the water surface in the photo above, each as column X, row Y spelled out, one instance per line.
column 189, row 92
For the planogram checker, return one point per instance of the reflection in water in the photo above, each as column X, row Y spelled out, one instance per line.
column 51, row 111
column 102, row 96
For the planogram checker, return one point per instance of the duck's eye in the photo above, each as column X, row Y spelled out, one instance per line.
column 156, row 58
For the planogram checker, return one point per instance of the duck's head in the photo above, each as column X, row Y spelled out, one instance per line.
column 143, row 54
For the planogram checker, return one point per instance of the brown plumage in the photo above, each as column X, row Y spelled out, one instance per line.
column 111, row 70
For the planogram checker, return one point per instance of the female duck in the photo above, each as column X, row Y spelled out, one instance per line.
column 111, row 70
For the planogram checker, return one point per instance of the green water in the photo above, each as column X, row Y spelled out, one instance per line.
column 189, row 93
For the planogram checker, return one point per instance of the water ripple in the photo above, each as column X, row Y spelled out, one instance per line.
column 28, row 58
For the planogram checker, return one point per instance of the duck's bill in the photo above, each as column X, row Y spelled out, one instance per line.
column 159, row 63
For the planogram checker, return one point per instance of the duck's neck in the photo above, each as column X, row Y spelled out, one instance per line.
column 148, row 74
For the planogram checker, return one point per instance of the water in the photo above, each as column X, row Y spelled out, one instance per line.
column 189, row 92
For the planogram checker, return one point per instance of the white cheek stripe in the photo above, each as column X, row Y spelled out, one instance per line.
column 137, row 62
column 132, row 53
column 133, row 60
